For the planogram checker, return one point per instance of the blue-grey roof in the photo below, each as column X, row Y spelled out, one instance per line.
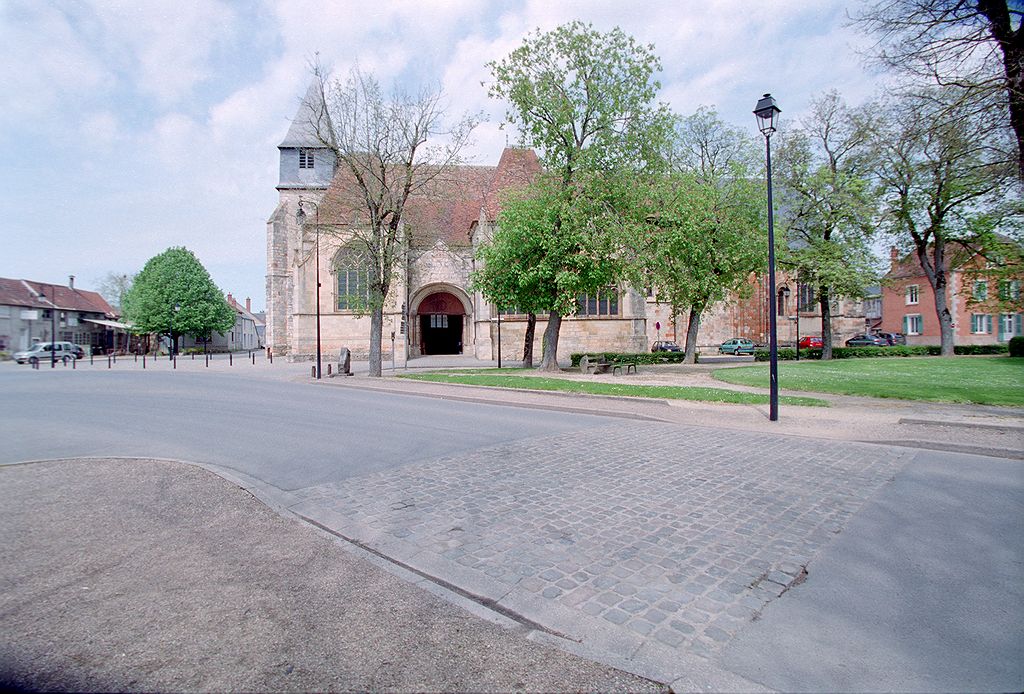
column 312, row 112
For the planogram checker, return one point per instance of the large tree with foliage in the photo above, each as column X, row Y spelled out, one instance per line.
column 826, row 204
column 388, row 148
column 945, row 187
column 173, row 295
column 585, row 100
column 974, row 48
column 703, row 230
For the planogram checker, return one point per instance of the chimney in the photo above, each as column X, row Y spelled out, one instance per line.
column 71, row 281
column 248, row 305
column 894, row 256
column 231, row 299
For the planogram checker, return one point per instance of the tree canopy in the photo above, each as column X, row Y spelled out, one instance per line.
column 585, row 100
column 176, row 278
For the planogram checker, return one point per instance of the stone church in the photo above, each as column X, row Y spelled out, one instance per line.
column 432, row 309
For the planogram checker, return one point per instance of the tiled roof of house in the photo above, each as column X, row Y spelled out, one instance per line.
column 447, row 207
column 26, row 293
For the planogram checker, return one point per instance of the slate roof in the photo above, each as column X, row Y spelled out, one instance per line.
column 445, row 210
column 26, row 293
column 302, row 132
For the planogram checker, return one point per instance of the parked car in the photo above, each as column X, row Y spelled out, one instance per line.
column 893, row 338
column 45, row 351
column 737, row 345
column 867, row 341
column 666, row 346
column 811, row 342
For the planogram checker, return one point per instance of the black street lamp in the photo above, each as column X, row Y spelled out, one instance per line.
column 767, row 114
column 300, row 217
column 53, row 325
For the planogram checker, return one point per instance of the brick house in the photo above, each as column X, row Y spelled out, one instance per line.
column 981, row 306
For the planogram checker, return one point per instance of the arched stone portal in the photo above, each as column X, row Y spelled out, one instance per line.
column 442, row 323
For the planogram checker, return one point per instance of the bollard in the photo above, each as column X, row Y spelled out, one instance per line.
column 115, row 357
column 136, row 357
column 143, row 362
column 230, row 360
column 193, row 356
column 329, row 369
column 90, row 358
column 73, row 363
column 175, row 361
column 270, row 353
column 312, row 370
column 108, row 361
column 207, row 360
column 253, row 355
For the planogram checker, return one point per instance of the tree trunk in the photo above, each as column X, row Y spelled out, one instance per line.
column 549, row 361
column 945, row 317
column 826, row 322
column 1011, row 41
column 376, row 332
column 531, row 330
column 691, row 336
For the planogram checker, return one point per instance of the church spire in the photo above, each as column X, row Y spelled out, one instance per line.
column 310, row 118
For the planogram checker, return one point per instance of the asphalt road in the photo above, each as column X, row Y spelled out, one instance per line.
column 289, row 435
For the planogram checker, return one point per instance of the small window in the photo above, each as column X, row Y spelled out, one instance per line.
column 305, row 158
column 981, row 324
column 912, row 294
column 980, row 291
column 438, row 320
column 1009, row 290
column 912, row 324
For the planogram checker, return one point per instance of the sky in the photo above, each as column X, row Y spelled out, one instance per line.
column 130, row 127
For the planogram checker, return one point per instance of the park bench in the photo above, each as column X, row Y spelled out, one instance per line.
column 594, row 364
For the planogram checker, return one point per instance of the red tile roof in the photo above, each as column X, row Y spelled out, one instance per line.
column 26, row 293
column 447, row 208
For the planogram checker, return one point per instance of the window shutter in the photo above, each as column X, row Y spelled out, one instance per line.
column 905, row 325
column 1016, row 325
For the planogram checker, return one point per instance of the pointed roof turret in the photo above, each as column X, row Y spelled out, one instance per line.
column 311, row 116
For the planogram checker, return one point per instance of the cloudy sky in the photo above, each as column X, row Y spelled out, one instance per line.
column 130, row 126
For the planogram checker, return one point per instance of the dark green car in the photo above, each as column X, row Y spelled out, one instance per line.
column 737, row 345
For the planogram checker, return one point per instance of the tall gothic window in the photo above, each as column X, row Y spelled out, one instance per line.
column 352, row 268
column 604, row 303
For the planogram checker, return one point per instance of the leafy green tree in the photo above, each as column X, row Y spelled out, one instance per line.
column 826, row 204
column 945, row 187
column 585, row 101
column 176, row 278
column 704, row 231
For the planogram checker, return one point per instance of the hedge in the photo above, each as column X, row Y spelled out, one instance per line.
column 892, row 351
column 638, row 357
column 1016, row 346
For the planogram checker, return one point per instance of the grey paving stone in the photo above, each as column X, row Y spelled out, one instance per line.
column 621, row 514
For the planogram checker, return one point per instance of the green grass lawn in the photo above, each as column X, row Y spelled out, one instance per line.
column 509, row 378
column 979, row 380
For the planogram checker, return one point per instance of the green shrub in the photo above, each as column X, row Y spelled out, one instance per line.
column 1016, row 346
column 877, row 352
column 998, row 348
column 638, row 357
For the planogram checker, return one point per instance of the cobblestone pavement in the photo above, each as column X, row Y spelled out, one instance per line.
column 630, row 539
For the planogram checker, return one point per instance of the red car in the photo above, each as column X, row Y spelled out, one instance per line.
column 811, row 342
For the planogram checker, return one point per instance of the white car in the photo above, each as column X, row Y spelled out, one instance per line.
column 41, row 352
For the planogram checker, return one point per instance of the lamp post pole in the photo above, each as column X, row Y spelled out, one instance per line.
column 53, row 325
column 498, row 311
column 767, row 114
column 174, row 343
column 301, row 217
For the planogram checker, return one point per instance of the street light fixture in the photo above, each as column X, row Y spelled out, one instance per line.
column 300, row 217
column 767, row 114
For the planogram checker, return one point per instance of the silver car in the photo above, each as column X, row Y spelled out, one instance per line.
column 45, row 351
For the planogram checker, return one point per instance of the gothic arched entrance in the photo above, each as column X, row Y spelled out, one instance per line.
column 441, row 322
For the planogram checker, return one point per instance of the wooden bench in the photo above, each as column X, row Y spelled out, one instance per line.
column 597, row 367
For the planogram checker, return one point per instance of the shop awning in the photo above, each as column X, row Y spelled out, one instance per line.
column 108, row 323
